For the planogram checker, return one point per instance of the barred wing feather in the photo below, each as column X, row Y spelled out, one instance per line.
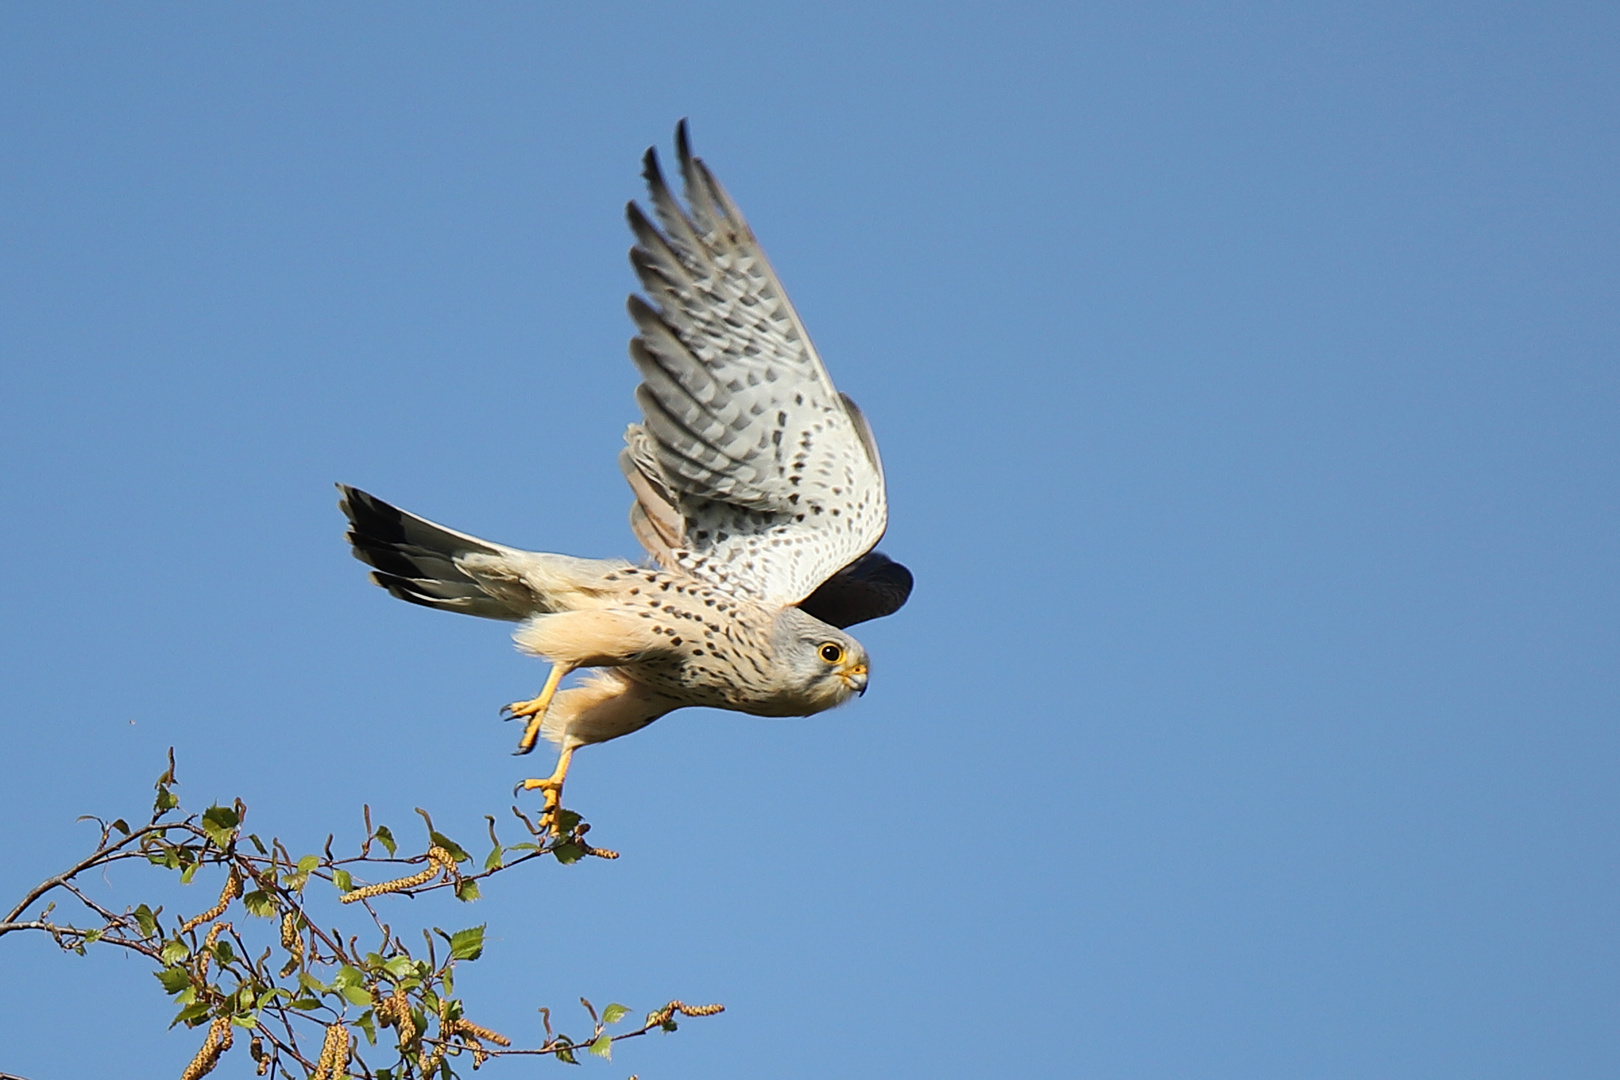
column 751, row 471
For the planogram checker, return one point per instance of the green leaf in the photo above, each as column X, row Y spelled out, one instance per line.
column 223, row 952
column 188, row 873
column 603, row 1046
column 349, row 976
column 467, row 891
column 368, row 1024
column 467, row 944
column 173, row 951
column 299, row 877
column 254, row 837
column 222, row 817
column 386, row 839
column 248, row 1022
column 165, row 801
column 192, row 1015
column 174, row 979
column 525, row 846
column 311, row 983
column 494, row 860
column 567, row 821
column 356, row 995
column 121, row 825
column 146, row 920
column 568, row 852
column 342, row 880
column 305, row 1004
column 400, row 966
column 566, row 1055
column 220, row 823
column 258, row 903
column 614, row 1013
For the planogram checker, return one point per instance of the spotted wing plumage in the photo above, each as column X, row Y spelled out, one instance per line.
column 751, row 470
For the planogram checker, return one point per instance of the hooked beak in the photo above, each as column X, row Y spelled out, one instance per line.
column 854, row 677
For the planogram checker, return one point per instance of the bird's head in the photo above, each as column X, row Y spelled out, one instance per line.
column 823, row 665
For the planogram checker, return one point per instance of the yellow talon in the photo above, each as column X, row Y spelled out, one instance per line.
column 552, row 786
column 535, row 709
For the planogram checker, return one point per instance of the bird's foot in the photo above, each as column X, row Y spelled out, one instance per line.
column 553, row 802
column 535, row 709
column 551, row 811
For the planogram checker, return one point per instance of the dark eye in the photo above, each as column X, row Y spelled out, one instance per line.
column 832, row 652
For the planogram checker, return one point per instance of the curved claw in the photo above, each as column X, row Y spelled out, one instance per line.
column 535, row 710
column 552, row 787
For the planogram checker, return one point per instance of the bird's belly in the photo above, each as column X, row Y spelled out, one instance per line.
column 696, row 683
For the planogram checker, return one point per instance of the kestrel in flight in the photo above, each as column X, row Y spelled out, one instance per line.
column 758, row 495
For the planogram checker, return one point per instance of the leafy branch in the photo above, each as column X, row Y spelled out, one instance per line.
column 311, row 985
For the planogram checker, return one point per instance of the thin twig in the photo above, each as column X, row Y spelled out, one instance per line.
column 188, row 844
column 96, row 858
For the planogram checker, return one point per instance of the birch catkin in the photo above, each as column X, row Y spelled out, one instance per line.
column 439, row 861
column 217, row 1042
column 334, row 1059
column 233, row 889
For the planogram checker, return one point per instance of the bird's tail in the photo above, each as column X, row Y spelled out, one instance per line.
column 419, row 561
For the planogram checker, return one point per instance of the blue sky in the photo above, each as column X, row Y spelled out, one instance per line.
column 1246, row 380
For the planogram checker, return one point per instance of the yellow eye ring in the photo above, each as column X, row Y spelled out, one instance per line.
column 832, row 652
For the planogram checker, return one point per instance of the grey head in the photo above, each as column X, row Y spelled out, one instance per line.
column 818, row 666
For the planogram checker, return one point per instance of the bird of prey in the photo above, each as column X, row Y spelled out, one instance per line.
column 759, row 497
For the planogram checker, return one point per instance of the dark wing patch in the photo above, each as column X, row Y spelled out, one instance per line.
column 871, row 587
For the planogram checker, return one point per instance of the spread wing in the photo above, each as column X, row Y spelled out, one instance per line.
column 750, row 470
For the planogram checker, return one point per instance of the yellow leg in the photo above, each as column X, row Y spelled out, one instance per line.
column 535, row 709
column 552, row 786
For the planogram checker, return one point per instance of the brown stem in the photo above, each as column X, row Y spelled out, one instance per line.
column 102, row 854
